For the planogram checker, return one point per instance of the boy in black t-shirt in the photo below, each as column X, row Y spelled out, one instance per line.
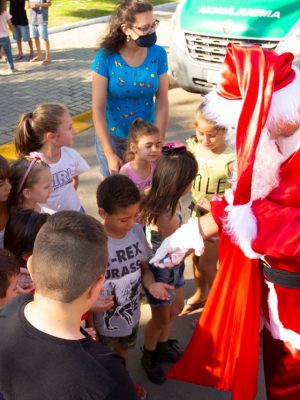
column 48, row 354
column 21, row 27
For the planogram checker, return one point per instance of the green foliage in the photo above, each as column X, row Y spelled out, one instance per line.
column 64, row 12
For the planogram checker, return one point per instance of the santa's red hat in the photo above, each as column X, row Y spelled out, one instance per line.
column 249, row 78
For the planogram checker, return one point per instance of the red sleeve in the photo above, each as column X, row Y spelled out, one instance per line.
column 218, row 211
column 278, row 231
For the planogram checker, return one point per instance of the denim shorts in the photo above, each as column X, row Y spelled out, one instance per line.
column 173, row 276
column 119, row 146
column 39, row 31
column 125, row 341
column 21, row 32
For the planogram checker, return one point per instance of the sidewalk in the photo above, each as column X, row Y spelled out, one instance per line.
column 67, row 79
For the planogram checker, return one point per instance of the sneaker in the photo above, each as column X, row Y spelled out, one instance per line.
column 153, row 370
column 168, row 351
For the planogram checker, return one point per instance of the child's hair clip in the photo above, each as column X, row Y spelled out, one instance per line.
column 173, row 148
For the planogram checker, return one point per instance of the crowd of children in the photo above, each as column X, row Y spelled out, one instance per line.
column 138, row 207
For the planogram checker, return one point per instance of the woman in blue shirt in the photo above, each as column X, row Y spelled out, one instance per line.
column 129, row 80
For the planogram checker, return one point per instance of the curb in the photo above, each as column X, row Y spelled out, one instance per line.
column 168, row 7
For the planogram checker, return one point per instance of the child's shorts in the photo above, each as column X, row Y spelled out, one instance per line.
column 21, row 32
column 125, row 341
column 39, row 31
column 173, row 276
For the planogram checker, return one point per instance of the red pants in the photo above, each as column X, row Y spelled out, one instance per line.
column 282, row 369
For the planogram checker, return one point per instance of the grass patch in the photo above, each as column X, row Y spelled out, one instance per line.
column 64, row 12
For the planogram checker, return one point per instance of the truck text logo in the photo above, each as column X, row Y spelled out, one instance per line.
column 245, row 12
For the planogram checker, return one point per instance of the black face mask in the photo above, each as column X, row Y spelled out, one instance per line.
column 146, row 40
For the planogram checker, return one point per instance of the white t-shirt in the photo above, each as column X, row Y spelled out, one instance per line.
column 123, row 281
column 64, row 195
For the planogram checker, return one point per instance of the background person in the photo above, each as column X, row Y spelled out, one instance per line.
column 38, row 26
column 5, row 23
column 21, row 27
column 129, row 70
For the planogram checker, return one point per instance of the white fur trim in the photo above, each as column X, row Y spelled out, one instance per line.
column 285, row 104
column 223, row 111
column 240, row 224
column 276, row 328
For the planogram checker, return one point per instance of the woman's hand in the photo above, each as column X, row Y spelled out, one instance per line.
column 114, row 164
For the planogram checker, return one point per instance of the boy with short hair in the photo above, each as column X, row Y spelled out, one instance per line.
column 67, row 267
column 9, row 271
column 118, row 201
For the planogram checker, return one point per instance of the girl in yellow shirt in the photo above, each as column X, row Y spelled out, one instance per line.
column 215, row 165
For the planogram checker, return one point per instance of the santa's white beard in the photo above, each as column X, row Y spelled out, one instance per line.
column 266, row 167
column 240, row 222
column 268, row 159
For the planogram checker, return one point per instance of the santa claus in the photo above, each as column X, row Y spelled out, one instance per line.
column 259, row 226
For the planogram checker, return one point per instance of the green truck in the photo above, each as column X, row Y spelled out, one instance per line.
column 202, row 29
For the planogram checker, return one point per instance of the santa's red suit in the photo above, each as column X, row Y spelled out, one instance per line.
column 223, row 353
column 224, row 349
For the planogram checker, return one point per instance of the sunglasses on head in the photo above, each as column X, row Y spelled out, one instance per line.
column 173, row 148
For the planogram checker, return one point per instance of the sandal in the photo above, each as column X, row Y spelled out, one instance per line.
column 36, row 59
column 46, row 62
column 190, row 307
column 19, row 57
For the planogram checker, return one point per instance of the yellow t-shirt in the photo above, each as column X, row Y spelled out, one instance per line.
column 212, row 176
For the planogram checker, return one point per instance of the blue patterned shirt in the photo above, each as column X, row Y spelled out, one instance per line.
column 130, row 90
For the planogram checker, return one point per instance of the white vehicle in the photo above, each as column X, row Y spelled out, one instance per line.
column 202, row 29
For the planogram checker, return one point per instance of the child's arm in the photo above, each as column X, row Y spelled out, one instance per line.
column 76, row 182
column 10, row 25
column 204, row 205
column 32, row 4
column 167, row 224
column 103, row 303
column 156, row 289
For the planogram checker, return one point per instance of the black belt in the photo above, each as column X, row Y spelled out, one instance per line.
column 280, row 277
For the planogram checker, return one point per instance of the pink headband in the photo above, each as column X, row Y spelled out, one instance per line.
column 29, row 168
